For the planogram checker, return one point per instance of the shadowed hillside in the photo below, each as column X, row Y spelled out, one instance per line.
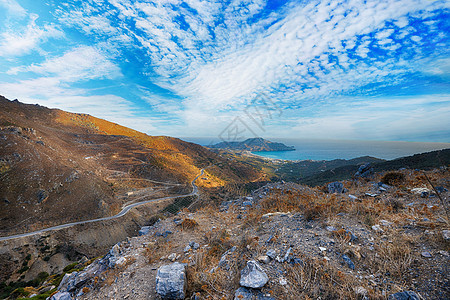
column 58, row 167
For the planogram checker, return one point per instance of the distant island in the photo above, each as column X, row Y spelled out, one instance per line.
column 254, row 145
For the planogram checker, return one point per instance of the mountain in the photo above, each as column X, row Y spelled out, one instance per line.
column 254, row 145
column 423, row 161
column 58, row 167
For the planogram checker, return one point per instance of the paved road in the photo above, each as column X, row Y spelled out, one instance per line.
column 124, row 210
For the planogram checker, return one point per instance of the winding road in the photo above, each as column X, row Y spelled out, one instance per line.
column 124, row 211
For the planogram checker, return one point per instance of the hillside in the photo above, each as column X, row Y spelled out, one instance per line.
column 282, row 241
column 424, row 161
column 254, row 145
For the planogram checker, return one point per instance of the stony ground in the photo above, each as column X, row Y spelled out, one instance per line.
column 368, row 241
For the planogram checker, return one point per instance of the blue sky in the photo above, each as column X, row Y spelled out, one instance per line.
column 372, row 70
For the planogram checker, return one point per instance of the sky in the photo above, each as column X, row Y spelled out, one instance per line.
column 328, row 69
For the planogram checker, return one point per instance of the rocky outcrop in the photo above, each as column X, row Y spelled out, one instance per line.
column 335, row 187
column 171, row 281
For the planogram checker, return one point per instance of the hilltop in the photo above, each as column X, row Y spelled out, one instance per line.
column 254, row 145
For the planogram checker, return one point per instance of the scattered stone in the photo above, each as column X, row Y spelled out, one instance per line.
column 42, row 196
column 194, row 245
column 360, row 291
column 371, row 195
column 322, row 249
column 419, row 191
column 426, row 254
column 171, row 281
column 377, row 228
column 364, row 171
column 331, row 228
column 243, row 294
column 441, row 189
column 187, row 248
column 172, row 257
column 407, row 295
column 271, row 253
column 224, row 262
column 61, row 296
column 385, row 223
column 264, row 259
column 335, row 187
column 446, row 234
column 352, row 197
column 348, row 261
column 247, row 203
column 443, row 253
column 282, row 281
column 253, row 276
column 144, row 230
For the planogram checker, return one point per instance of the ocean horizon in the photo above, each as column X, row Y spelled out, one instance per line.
column 312, row 149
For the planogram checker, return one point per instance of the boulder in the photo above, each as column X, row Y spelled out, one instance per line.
column 407, row 295
column 61, row 296
column 335, row 187
column 171, row 281
column 253, row 276
column 364, row 171
column 144, row 230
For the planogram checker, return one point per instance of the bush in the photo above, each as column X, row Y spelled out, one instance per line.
column 393, row 178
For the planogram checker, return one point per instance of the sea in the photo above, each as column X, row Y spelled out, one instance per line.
column 312, row 149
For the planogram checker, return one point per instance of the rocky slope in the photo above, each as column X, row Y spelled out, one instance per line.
column 375, row 237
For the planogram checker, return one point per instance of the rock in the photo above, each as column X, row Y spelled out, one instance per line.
column 331, row 228
column 42, row 196
column 288, row 257
column 385, row 223
column 61, row 296
column 172, row 257
column 194, row 245
column 271, row 253
column 187, row 248
column 144, row 230
column 407, row 295
column 322, row 249
column 443, row 253
column 335, row 187
column 360, row 291
column 171, row 281
column 243, row 294
column 253, row 276
column 377, row 228
column 224, row 262
column 348, row 261
column 282, row 281
column 247, row 203
column 264, row 259
column 441, row 189
column 419, row 191
column 353, row 197
column 426, row 254
column 371, row 195
column 364, row 171
column 446, row 234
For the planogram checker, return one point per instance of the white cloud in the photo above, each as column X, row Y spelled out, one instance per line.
column 13, row 7
column 398, row 118
column 79, row 64
column 23, row 40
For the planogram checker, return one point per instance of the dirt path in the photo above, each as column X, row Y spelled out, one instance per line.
column 124, row 211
